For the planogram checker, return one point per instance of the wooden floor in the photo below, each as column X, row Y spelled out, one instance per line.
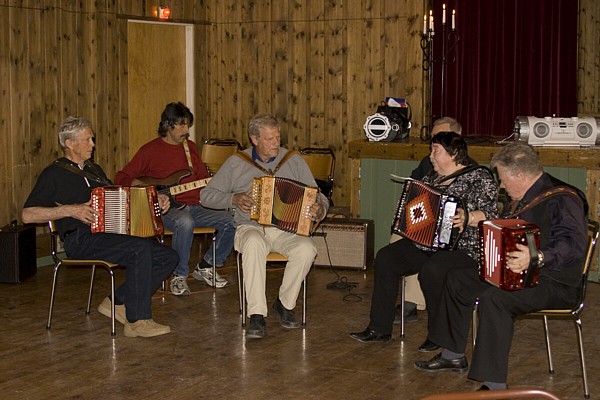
column 207, row 356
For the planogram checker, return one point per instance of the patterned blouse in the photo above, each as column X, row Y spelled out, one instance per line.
column 479, row 191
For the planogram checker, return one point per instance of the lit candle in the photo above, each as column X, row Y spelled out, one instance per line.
column 424, row 24
column 431, row 20
column 444, row 14
column 453, row 19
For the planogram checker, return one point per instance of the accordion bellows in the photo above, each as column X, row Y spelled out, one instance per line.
column 283, row 203
column 127, row 210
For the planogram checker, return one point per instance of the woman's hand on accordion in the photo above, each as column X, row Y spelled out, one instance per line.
column 164, row 203
column 462, row 219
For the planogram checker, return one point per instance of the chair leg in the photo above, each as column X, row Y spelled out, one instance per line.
column 89, row 303
column 241, row 289
column 52, row 294
column 548, row 348
column 403, row 291
column 304, row 297
column 113, row 331
column 586, row 389
column 475, row 323
column 214, row 259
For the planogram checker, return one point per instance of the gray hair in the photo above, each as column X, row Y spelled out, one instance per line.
column 261, row 121
column 517, row 158
column 70, row 127
column 454, row 124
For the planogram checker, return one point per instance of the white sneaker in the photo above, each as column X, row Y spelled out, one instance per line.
column 145, row 328
column 206, row 275
column 179, row 286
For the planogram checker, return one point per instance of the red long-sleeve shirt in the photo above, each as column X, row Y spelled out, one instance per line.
column 158, row 159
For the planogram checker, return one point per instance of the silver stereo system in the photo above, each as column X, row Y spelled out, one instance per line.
column 551, row 131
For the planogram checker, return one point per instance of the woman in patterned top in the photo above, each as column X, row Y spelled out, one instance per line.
column 478, row 190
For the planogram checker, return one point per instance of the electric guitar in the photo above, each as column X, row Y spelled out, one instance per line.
column 170, row 185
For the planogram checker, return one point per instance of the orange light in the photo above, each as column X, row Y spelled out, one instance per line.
column 164, row 12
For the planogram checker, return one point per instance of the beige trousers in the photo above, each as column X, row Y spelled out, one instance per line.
column 255, row 243
column 413, row 292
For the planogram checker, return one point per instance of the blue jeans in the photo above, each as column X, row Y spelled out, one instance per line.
column 182, row 224
column 148, row 264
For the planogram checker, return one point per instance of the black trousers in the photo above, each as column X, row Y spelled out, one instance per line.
column 496, row 311
column 148, row 264
column 403, row 258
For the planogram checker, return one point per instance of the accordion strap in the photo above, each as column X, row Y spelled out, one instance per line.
column 557, row 190
column 95, row 175
column 244, row 156
column 462, row 171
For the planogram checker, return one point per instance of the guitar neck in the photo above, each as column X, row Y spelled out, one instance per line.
column 186, row 187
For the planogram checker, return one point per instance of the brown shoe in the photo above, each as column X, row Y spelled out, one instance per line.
column 145, row 328
column 120, row 315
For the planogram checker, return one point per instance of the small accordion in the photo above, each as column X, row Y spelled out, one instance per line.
column 498, row 238
column 424, row 215
column 127, row 210
column 283, row 203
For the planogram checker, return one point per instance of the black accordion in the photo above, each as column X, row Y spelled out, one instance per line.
column 424, row 215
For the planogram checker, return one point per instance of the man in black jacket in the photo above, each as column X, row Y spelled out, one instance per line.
column 562, row 219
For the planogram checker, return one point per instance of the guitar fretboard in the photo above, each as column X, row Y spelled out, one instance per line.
column 186, row 187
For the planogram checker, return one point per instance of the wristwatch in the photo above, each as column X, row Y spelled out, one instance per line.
column 540, row 259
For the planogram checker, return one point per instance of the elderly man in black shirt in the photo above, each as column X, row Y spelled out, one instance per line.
column 62, row 194
column 563, row 226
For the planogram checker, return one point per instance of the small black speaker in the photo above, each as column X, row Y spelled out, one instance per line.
column 17, row 248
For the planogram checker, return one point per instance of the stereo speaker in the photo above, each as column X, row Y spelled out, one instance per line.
column 17, row 246
column 550, row 131
column 344, row 243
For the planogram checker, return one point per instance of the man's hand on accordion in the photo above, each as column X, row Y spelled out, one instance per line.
column 243, row 201
column 83, row 212
column 164, row 203
column 315, row 211
column 518, row 260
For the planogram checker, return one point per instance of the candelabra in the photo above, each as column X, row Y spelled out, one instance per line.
column 449, row 40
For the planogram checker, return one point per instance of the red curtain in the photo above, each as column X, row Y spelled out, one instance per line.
column 514, row 57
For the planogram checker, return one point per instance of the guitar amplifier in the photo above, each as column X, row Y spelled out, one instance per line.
column 18, row 247
column 344, row 243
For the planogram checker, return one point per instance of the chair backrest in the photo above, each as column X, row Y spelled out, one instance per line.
column 216, row 151
column 321, row 162
column 54, row 241
column 593, row 230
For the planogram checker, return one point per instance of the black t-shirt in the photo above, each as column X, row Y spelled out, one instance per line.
column 59, row 186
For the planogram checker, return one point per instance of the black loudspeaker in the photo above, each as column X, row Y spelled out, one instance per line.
column 348, row 243
column 17, row 249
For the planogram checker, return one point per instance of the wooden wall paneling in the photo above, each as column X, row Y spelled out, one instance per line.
column 214, row 70
column 36, row 115
column 249, row 71
column 297, row 99
column 589, row 58
column 69, row 56
column 19, row 82
column 279, row 28
column 50, row 87
column 335, row 91
column 201, row 37
column 230, row 75
column 316, row 68
column 6, row 134
column 261, row 14
column 117, row 96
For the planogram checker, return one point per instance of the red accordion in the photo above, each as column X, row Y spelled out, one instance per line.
column 127, row 210
column 498, row 237
column 424, row 215
column 283, row 203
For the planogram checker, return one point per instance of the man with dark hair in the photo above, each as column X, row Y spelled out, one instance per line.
column 231, row 187
column 169, row 154
column 62, row 193
column 561, row 217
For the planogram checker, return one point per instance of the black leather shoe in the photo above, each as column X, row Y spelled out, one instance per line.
column 287, row 318
column 257, row 327
column 369, row 335
column 428, row 346
column 438, row 363
column 409, row 315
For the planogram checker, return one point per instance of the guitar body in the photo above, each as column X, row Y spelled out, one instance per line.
column 171, row 185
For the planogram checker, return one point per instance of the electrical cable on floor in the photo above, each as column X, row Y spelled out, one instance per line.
column 342, row 282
